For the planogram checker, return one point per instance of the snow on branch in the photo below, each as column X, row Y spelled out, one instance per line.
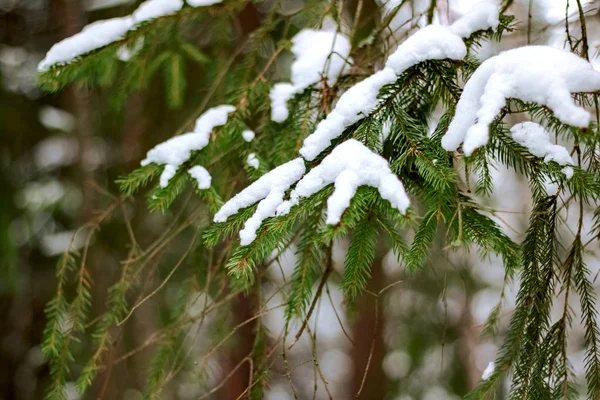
column 252, row 161
column 350, row 165
column 152, row 9
column 319, row 54
column 482, row 16
column 102, row 33
column 268, row 190
column 178, row 150
column 201, row 175
column 248, row 135
column 537, row 140
column 541, row 74
column 92, row 37
column 432, row 42
column 489, row 370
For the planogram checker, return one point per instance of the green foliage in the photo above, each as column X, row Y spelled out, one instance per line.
column 139, row 178
column 359, row 259
column 444, row 210
column 175, row 80
column 65, row 320
column 310, row 265
column 581, row 282
column 96, row 67
column 422, row 241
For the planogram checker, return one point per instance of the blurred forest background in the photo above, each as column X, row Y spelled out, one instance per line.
column 60, row 155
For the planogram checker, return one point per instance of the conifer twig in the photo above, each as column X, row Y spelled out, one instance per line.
column 326, row 274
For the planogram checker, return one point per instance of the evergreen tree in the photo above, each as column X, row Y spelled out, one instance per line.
column 391, row 145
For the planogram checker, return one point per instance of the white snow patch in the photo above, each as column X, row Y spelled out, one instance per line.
column 541, row 74
column 319, row 54
column 201, row 175
column 201, row 3
column 178, row 149
column 535, row 139
column 152, row 9
column 483, row 15
column 105, row 32
column 353, row 105
column 314, row 50
column 489, row 370
column 92, row 37
column 280, row 94
column 350, row 165
column 432, row 42
column 252, row 160
column 268, row 190
column 248, row 135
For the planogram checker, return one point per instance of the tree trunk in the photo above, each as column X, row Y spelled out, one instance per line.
column 368, row 334
column 244, row 307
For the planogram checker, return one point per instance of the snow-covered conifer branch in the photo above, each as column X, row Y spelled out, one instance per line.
column 178, row 150
column 269, row 191
column 102, row 33
column 321, row 55
column 429, row 43
column 535, row 138
column 540, row 74
column 348, row 166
